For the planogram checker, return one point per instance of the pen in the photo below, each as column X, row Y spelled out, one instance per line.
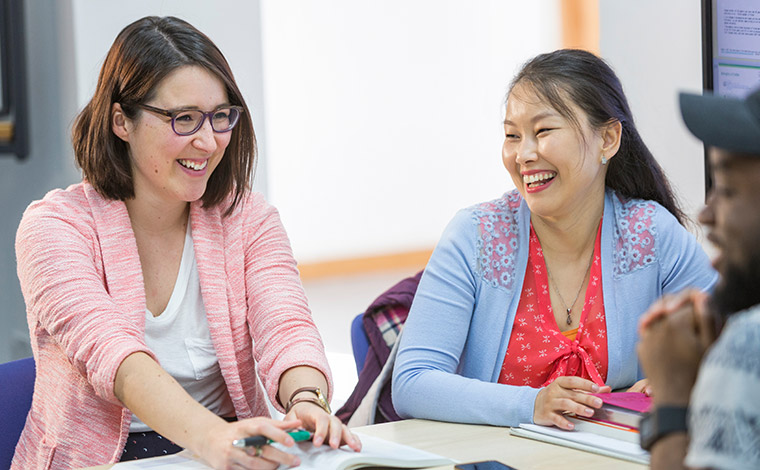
column 299, row 435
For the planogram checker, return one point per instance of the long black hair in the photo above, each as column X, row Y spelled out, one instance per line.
column 589, row 83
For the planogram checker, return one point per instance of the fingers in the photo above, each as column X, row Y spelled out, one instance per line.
column 579, row 390
column 265, row 457
column 276, row 456
column 335, row 431
column 321, row 428
column 578, row 383
column 705, row 321
column 668, row 304
column 566, row 395
column 328, row 429
column 351, row 439
column 642, row 386
column 639, row 387
column 566, row 406
column 275, row 430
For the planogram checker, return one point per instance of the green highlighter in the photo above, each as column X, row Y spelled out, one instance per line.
column 299, row 435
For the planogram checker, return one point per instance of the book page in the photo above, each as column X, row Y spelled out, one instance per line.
column 375, row 451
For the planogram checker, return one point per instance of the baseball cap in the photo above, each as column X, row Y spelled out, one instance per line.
column 729, row 123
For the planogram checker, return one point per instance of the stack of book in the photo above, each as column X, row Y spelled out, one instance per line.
column 613, row 430
column 618, row 418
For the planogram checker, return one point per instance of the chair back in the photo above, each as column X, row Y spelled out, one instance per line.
column 16, row 389
column 359, row 342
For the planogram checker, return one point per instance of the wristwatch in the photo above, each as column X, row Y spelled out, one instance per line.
column 660, row 422
column 318, row 400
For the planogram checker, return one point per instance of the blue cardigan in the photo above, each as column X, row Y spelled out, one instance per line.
column 458, row 329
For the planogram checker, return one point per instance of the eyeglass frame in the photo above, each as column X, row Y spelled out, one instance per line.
column 174, row 113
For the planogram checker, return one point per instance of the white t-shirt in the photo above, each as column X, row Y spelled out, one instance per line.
column 181, row 340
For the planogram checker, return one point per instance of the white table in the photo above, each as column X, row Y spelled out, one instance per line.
column 469, row 443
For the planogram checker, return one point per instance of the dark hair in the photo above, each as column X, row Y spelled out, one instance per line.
column 143, row 54
column 589, row 83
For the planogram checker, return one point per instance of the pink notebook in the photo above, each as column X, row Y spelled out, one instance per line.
column 629, row 400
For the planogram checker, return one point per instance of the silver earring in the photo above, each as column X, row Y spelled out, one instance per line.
column 604, row 160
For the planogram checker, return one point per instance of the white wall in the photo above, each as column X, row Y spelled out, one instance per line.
column 655, row 48
column 384, row 118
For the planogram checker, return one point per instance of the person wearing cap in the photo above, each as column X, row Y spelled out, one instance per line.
column 702, row 353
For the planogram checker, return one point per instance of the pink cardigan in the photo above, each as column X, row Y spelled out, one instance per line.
column 82, row 282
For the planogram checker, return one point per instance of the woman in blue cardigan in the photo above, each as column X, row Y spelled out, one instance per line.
column 531, row 301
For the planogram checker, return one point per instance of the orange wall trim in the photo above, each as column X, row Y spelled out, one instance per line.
column 580, row 24
column 414, row 260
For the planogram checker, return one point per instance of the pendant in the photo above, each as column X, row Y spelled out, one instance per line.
column 569, row 319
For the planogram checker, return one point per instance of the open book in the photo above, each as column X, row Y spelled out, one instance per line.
column 375, row 452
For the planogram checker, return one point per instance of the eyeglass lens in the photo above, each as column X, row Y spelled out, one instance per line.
column 189, row 121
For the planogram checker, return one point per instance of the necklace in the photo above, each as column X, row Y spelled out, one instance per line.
column 554, row 286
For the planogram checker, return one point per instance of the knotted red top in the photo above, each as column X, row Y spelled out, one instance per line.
column 538, row 352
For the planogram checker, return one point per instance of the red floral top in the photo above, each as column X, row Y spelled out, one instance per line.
column 538, row 351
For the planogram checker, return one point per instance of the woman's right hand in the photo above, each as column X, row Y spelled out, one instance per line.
column 217, row 450
column 566, row 394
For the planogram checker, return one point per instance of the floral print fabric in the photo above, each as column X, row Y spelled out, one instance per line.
column 538, row 352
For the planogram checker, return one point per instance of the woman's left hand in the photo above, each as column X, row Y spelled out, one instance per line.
column 326, row 428
column 642, row 386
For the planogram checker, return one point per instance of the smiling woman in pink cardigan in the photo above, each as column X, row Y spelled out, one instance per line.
column 161, row 293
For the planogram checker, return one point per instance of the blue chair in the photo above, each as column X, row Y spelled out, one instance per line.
column 359, row 342
column 16, row 388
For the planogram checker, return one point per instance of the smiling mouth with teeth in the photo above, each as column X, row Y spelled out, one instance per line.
column 189, row 164
column 538, row 179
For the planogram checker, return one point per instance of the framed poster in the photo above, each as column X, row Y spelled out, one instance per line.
column 13, row 100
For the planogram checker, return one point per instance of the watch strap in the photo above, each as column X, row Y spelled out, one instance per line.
column 319, row 399
column 315, row 401
column 660, row 422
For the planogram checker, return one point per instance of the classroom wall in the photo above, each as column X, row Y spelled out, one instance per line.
column 51, row 85
column 376, row 120
column 384, row 118
column 655, row 48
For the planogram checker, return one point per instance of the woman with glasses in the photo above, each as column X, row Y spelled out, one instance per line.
column 531, row 301
column 163, row 300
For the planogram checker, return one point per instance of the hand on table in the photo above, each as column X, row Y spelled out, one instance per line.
column 675, row 332
column 327, row 429
column 566, row 394
column 219, row 453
